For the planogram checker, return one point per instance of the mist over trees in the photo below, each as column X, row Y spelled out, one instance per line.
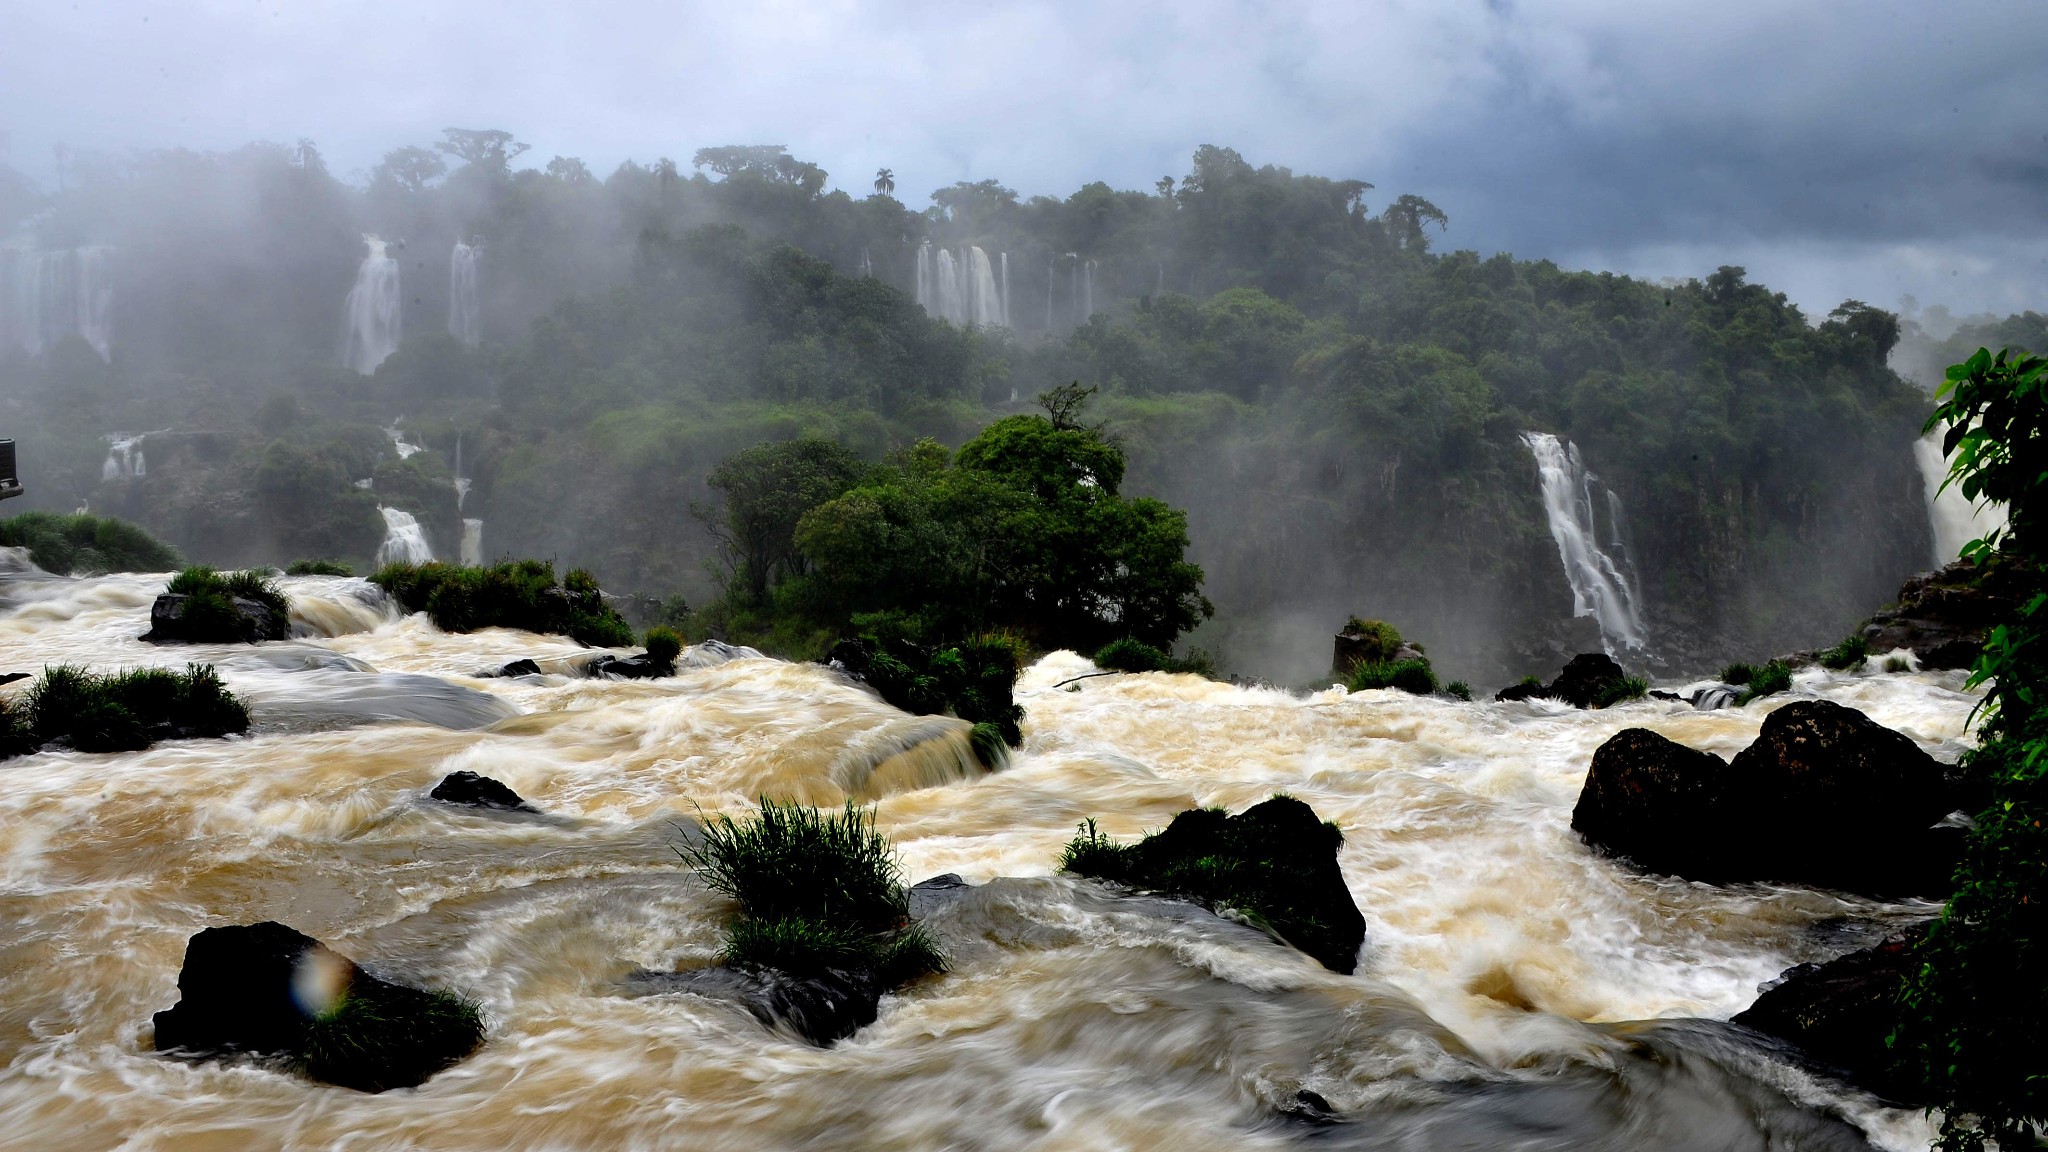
column 1335, row 400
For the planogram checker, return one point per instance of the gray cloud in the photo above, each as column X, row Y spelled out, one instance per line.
column 1838, row 149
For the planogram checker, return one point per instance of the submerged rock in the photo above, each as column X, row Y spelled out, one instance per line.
column 522, row 667
column 821, row 1008
column 1840, row 1012
column 641, row 667
column 476, row 791
column 268, row 990
column 928, row 896
column 1824, row 796
column 247, row 621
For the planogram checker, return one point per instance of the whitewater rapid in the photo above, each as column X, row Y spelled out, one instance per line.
column 1517, row 991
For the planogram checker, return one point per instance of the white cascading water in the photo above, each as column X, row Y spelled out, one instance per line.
column 465, row 313
column 47, row 296
column 399, row 443
column 1005, row 321
column 1601, row 585
column 1954, row 520
column 370, row 314
column 405, row 542
column 1517, row 991
column 124, row 457
column 960, row 288
column 472, row 552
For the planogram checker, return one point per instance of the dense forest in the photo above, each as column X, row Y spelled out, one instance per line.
column 1336, row 397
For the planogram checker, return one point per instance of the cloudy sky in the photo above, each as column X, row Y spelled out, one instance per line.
column 1836, row 149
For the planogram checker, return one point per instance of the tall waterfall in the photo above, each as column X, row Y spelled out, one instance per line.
column 960, row 288
column 405, row 542
column 1006, row 290
column 124, row 457
column 371, row 312
column 46, row 296
column 465, row 315
column 472, row 553
column 1954, row 520
column 1602, row 586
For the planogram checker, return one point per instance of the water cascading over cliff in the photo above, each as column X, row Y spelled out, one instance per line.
column 124, row 457
column 370, row 314
column 1950, row 514
column 465, row 313
column 960, row 288
column 46, row 296
column 1601, row 580
column 405, row 542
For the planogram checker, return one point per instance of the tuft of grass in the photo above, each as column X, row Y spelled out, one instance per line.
column 512, row 594
column 1738, row 674
column 1770, row 679
column 1379, row 640
column 664, row 644
column 210, row 615
column 122, row 711
column 1130, row 655
column 1850, row 654
column 1460, row 689
column 1091, row 853
column 1897, row 664
column 319, row 568
column 791, row 861
column 1413, row 676
column 84, row 543
column 1620, row 691
column 382, row 1035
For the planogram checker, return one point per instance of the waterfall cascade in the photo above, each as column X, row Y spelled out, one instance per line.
column 472, row 552
column 1005, row 297
column 405, row 542
column 370, row 314
column 960, row 288
column 46, row 296
column 398, row 441
column 1954, row 519
column 124, row 456
column 465, row 314
column 1601, row 578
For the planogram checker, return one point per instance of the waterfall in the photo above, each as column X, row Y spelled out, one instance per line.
column 1954, row 520
column 461, row 481
column 924, row 279
column 1601, row 586
column 867, row 264
column 1006, row 289
column 371, row 311
column 405, row 542
column 472, row 543
column 962, row 288
column 124, row 456
column 1051, row 277
column 983, row 306
column 46, row 296
column 398, row 441
column 464, row 313
column 1088, row 292
column 947, row 288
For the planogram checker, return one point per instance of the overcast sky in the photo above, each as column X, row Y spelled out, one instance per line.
column 1836, row 149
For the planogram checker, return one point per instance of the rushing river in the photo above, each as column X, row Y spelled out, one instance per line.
column 1517, row 991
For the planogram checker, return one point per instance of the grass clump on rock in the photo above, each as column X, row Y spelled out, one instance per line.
column 819, row 896
column 381, row 1035
column 973, row 680
column 1768, row 680
column 319, row 568
column 1847, row 656
column 121, row 711
column 202, row 606
column 84, row 543
column 1274, row 863
column 1620, row 691
column 512, row 594
column 1413, row 676
column 1133, row 655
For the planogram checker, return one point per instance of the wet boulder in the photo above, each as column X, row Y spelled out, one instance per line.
column 474, row 791
column 822, row 1007
column 1657, row 802
column 1587, row 680
column 641, row 667
column 177, row 618
column 268, row 990
column 1944, row 616
column 521, row 667
column 1839, row 1013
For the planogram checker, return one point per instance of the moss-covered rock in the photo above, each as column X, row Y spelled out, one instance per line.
column 121, row 711
column 202, row 606
column 1275, row 863
column 973, row 680
column 513, row 594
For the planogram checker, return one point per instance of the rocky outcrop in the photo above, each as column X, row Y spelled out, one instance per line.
column 641, row 667
column 521, row 667
column 1943, row 616
column 474, row 791
column 268, row 990
column 1840, row 1012
column 1587, row 680
column 1823, row 796
column 821, row 1008
column 177, row 618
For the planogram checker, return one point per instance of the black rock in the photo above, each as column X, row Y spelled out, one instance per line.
column 821, row 1009
column 252, row 621
column 1840, row 1012
column 11, row 677
column 1944, row 616
column 1656, row 802
column 641, row 667
column 478, row 792
column 928, row 896
column 523, row 667
column 1581, row 684
column 235, row 991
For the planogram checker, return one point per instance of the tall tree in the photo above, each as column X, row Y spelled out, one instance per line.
column 885, row 181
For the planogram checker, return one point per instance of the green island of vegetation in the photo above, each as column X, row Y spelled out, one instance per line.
column 514, row 594
column 119, row 712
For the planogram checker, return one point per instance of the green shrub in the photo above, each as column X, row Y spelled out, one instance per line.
column 1848, row 655
column 382, row 1035
column 210, row 616
column 1090, row 853
column 1460, row 689
column 664, row 645
column 85, row 543
column 511, row 594
column 1412, row 676
column 319, row 568
column 1619, row 691
column 1128, row 655
column 1378, row 640
column 1738, row 674
column 974, row 680
column 1897, row 664
column 1768, row 680
column 122, row 711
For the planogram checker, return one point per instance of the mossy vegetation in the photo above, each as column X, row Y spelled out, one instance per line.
column 320, row 568
column 1848, row 655
column 1897, row 664
column 1275, row 864
column 818, row 892
column 1133, row 655
column 380, row 1035
column 1768, row 680
column 1738, row 674
column 512, row 594
column 663, row 645
column 83, row 543
column 210, row 614
column 1374, row 641
column 1459, row 689
column 121, row 711
column 1414, row 676
column 1621, row 691
column 973, row 680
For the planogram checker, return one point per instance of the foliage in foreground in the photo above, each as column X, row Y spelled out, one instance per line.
column 512, row 594
column 121, row 711
column 84, row 543
column 817, row 892
column 1974, row 1020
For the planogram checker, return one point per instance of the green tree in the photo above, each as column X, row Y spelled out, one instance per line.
column 489, row 148
column 885, row 181
column 767, row 490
